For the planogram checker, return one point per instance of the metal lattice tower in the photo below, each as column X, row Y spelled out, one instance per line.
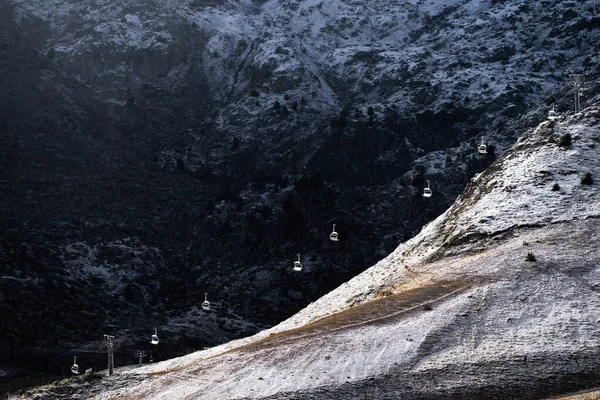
column 577, row 88
column 109, row 342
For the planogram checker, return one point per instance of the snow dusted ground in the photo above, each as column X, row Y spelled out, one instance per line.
column 501, row 326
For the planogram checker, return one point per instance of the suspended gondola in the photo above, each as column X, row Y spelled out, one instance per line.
column 334, row 236
column 552, row 114
column 427, row 191
column 154, row 338
column 482, row 147
column 75, row 367
column 206, row 303
column 298, row 264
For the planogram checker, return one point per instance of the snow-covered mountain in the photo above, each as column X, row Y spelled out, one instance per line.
column 496, row 298
column 154, row 151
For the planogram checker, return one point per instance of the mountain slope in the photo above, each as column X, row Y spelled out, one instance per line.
column 154, row 151
column 455, row 312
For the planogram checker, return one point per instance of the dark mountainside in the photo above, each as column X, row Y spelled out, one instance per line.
column 154, row 151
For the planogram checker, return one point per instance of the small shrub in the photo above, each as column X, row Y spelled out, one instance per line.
column 565, row 140
column 530, row 257
column 552, row 139
column 587, row 179
column 254, row 93
column 427, row 307
column 556, row 187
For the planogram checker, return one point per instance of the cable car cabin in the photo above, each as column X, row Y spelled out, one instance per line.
column 552, row 115
column 427, row 191
column 75, row 367
column 298, row 264
column 154, row 338
column 334, row 235
column 206, row 303
column 482, row 148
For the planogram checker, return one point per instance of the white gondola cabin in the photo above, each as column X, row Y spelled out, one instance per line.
column 206, row 303
column 552, row 114
column 154, row 338
column 298, row 264
column 75, row 367
column 482, row 148
column 427, row 191
column 334, row 236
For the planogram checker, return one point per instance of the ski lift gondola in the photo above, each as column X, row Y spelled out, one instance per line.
column 298, row 264
column 482, row 148
column 552, row 114
column 154, row 339
column 75, row 367
column 427, row 191
column 206, row 303
column 334, row 236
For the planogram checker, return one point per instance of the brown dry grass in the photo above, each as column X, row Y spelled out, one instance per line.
column 377, row 311
column 374, row 312
column 584, row 396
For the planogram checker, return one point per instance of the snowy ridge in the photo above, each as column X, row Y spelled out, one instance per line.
column 408, row 55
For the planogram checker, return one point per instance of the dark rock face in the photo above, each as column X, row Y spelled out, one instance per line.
column 150, row 153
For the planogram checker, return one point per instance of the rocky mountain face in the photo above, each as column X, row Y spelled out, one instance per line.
column 496, row 298
column 151, row 152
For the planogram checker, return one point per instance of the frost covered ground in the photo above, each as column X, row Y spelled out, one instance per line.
column 456, row 311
